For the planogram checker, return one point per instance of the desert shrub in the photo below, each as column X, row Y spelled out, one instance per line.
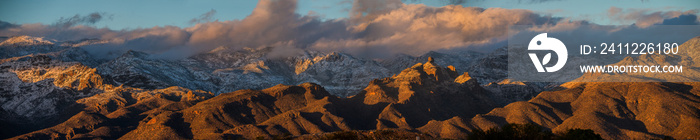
column 579, row 134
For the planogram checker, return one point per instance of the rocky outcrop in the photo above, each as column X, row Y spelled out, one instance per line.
column 614, row 110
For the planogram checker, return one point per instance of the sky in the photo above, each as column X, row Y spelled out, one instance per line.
column 176, row 29
column 133, row 14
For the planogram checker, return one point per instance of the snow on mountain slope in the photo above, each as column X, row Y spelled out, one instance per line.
column 26, row 45
column 341, row 74
column 40, row 83
column 68, row 51
column 36, row 87
column 493, row 67
column 38, row 91
column 223, row 70
column 227, row 71
column 26, row 41
column 136, row 69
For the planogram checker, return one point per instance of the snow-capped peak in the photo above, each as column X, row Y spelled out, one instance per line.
column 27, row 41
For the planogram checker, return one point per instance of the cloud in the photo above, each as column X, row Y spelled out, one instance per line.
column 451, row 2
column 89, row 19
column 271, row 22
column 284, row 50
column 73, row 28
column 60, row 33
column 455, row 2
column 644, row 17
column 6, row 25
column 364, row 10
column 685, row 19
column 417, row 29
column 376, row 29
column 206, row 17
column 461, row 2
column 536, row 1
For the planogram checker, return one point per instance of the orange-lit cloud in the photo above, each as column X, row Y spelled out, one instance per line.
column 417, row 29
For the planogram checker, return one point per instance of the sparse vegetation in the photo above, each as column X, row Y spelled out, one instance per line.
column 579, row 134
column 370, row 135
column 531, row 131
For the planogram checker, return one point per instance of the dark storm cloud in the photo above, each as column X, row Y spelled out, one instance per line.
column 206, row 17
column 686, row 19
column 89, row 19
column 6, row 25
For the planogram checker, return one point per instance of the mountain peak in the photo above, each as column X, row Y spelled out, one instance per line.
column 427, row 71
column 437, row 72
column 26, row 41
column 422, row 79
column 465, row 78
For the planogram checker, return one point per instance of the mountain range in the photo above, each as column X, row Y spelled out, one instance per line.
column 52, row 89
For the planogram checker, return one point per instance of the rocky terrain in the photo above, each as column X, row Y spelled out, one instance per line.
column 411, row 99
column 223, row 70
column 66, row 94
